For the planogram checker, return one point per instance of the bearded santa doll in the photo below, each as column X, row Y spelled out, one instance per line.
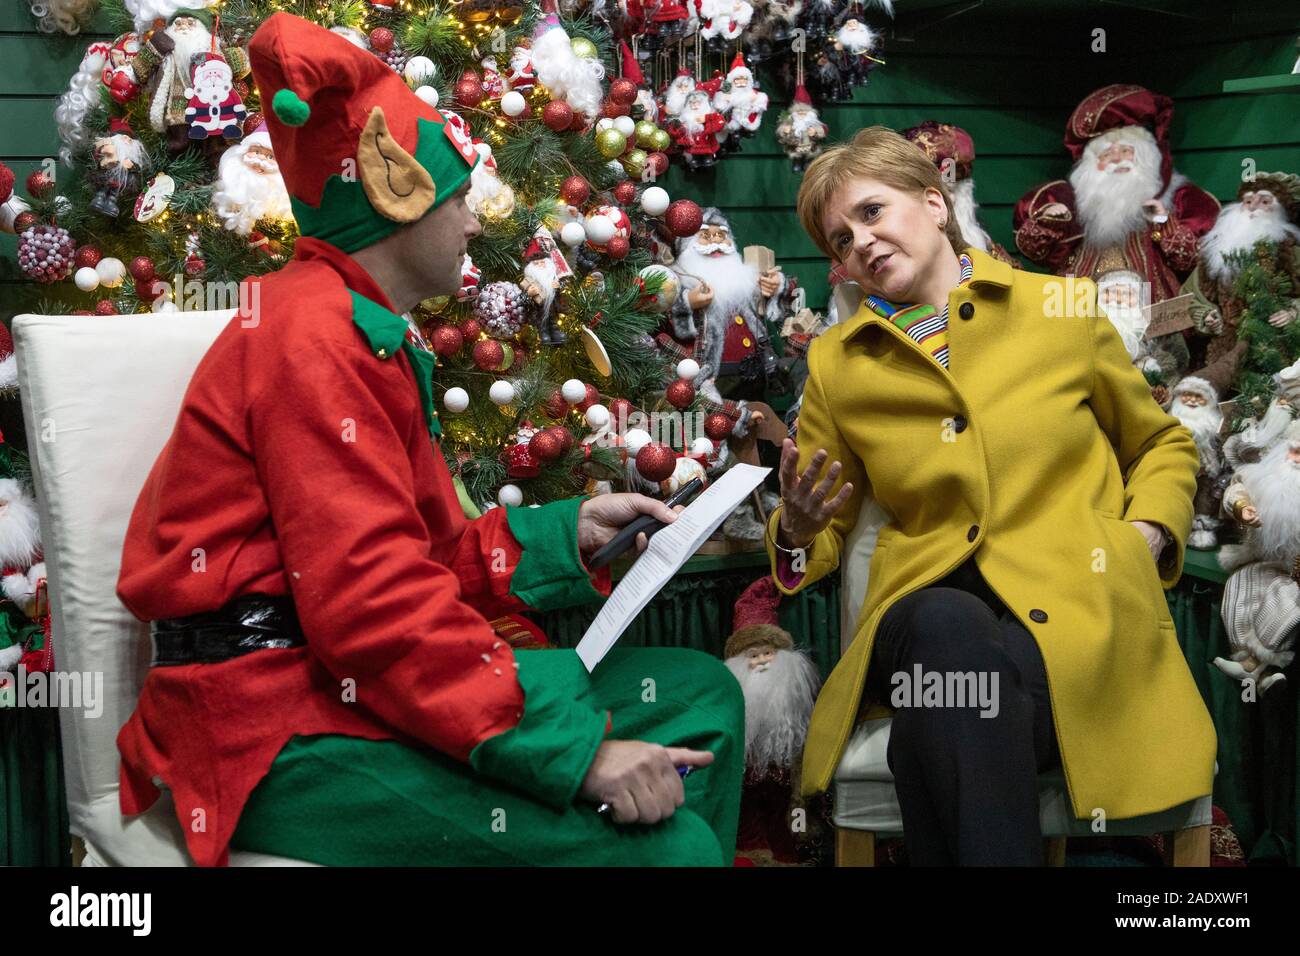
column 121, row 162
column 952, row 151
column 574, row 79
column 167, row 59
column 800, row 130
column 1266, row 211
column 1124, row 207
column 1195, row 403
column 855, row 42
column 675, row 93
column 696, row 128
column 249, row 186
column 541, row 282
column 741, row 102
column 22, row 575
column 722, row 20
column 1261, row 599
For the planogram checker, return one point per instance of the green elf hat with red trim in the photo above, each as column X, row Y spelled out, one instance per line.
column 360, row 154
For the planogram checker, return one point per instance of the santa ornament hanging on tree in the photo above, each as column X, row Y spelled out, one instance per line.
column 121, row 162
column 800, row 130
column 1195, row 404
column 740, row 100
column 249, row 186
column 213, row 108
column 696, row 129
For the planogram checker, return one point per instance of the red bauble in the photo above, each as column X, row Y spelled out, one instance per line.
column 546, row 446
column 447, row 340
column 194, row 266
column 557, row 115
column 555, row 406
column 144, row 289
column 520, row 461
column 141, row 269
column 575, row 191
column 471, row 329
column 105, row 307
column 6, row 183
column 625, row 192
column 656, row 461
column 618, row 247
column 468, row 90
column 579, row 122
column 622, row 91
column 591, row 398
column 613, row 109
column 24, row 221
column 489, row 354
column 381, row 39
column 658, row 162
column 718, row 426
column 620, row 412
column 684, row 218
column 87, row 257
column 40, row 184
column 564, row 435
column 680, row 393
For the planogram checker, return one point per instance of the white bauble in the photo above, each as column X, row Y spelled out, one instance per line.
column 510, row 495
column 597, row 416
column 428, row 94
column 164, row 304
column 625, row 125
column 573, row 234
column 655, row 201
column 600, row 229
column 86, row 279
column 501, row 392
column 636, row 439
column 111, row 272
column 418, row 70
column 688, row 369
column 603, row 124
column 702, row 446
column 573, row 391
column 455, row 399
column 513, row 103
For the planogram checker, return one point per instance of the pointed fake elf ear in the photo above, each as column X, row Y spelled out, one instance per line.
column 398, row 187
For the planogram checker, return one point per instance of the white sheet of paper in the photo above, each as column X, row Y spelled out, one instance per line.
column 668, row 550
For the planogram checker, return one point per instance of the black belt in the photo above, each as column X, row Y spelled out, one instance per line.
column 253, row 622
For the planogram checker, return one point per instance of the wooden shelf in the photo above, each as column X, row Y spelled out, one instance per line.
column 1280, row 83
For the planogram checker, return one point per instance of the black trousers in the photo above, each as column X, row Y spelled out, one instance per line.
column 967, row 784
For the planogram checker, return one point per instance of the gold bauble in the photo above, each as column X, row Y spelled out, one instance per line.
column 610, row 143
column 584, row 48
column 634, row 162
column 645, row 134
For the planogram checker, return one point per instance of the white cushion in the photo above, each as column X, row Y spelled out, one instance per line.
column 865, row 798
column 100, row 397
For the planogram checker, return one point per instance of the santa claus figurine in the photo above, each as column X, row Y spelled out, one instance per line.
column 695, row 130
column 122, row 162
column 1261, row 598
column 721, row 20
column 544, row 268
column 1195, row 403
column 249, row 186
column 167, row 58
column 800, row 130
column 740, row 101
column 720, row 317
column 675, row 93
column 952, row 150
column 1124, row 207
column 1264, row 206
column 213, row 108
column 520, row 77
column 856, row 42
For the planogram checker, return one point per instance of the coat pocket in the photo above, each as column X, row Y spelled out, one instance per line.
column 1134, row 582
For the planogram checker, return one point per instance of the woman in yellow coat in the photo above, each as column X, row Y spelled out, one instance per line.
column 1030, row 483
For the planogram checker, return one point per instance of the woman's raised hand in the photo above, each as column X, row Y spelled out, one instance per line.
column 806, row 508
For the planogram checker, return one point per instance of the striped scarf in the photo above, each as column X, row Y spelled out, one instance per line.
column 924, row 326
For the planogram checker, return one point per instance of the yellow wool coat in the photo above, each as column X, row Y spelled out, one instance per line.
column 1032, row 452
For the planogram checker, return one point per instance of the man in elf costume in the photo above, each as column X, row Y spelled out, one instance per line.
column 326, row 685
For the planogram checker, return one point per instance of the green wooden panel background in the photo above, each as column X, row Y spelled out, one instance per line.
column 1009, row 71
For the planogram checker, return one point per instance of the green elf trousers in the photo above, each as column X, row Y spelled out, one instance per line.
column 346, row 801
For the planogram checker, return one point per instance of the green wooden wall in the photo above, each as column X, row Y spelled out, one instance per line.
column 1009, row 71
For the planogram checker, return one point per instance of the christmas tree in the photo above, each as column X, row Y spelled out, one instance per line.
column 168, row 198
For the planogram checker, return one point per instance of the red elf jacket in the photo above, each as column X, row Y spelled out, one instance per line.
column 301, row 463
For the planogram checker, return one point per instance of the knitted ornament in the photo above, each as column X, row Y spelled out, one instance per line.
column 575, row 191
column 547, row 445
column 88, row 257
column 45, row 253
column 520, row 462
column 656, row 461
column 500, row 307
column 718, row 426
column 684, row 218
column 557, row 116
column 447, row 340
column 680, row 394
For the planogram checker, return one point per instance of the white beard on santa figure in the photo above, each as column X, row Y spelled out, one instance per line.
column 1110, row 200
column 856, row 37
column 779, row 699
column 966, row 209
column 567, row 76
column 695, row 112
column 543, row 272
column 1236, row 230
column 1273, row 485
column 1204, row 422
column 20, row 524
column 75, row 103
column 675, row 97
column 249, row 187
column 734, row 283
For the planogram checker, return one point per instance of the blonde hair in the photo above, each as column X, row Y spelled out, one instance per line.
column 876, row 152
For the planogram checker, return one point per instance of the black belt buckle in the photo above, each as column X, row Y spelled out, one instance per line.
column 251, row 622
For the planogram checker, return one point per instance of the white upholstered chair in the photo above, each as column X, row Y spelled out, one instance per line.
column 100, row 396
column 866, row 804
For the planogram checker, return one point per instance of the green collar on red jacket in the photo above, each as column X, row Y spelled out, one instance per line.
column 386, row 333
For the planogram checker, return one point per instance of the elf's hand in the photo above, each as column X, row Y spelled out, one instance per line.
column 601, row 517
